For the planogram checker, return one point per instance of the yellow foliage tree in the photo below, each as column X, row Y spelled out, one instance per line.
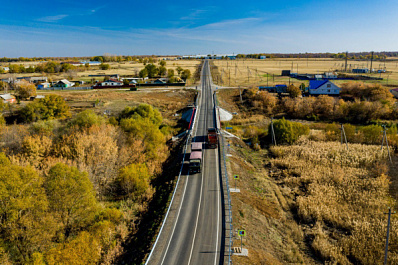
column 24, row 89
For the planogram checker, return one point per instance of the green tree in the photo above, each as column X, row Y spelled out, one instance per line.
column 50, row 107
column 143, row 73
column 162, row 63
column 143, row 111
column 86, row 119
column 179, row 70
column 134, row 180
column 71, row 196
column 162, row 71
column 105, row 66
column 287, row 132
column 152, row 70
column 170, row 73
column 186, row 74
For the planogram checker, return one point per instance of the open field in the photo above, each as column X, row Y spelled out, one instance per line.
column 248, row 72
column 168, row 101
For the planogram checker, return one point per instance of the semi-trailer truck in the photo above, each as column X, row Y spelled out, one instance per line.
column 212, row 138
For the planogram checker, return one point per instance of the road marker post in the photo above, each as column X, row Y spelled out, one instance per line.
column 236, row 177
column 241, row 233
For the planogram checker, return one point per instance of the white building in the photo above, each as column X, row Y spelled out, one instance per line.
column 323, row 87
column 111, row 82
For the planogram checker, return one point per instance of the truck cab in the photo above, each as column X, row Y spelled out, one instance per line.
column 195, row 162
column 212, row 138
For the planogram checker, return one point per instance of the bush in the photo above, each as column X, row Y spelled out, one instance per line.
column 287, row 132
column 86, row 119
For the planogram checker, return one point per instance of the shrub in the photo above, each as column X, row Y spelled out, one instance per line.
column 287, row 132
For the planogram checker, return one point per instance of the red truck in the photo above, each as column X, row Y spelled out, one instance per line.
column 212, row 138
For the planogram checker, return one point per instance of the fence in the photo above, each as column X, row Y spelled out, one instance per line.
column 67, row 88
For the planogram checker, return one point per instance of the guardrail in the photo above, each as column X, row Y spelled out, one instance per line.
column 187, row 143
column 227, row 195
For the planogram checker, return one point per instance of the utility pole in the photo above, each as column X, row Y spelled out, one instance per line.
column 240, row 95
column 248, row 74
column 382, row 142
column 346, row 58
column 273, row 132
column 343, row 134
column 388, row 235
column 371, row 61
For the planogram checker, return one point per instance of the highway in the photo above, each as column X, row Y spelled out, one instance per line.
column 192, row 232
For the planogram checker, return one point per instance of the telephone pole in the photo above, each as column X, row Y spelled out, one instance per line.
column 346, row 58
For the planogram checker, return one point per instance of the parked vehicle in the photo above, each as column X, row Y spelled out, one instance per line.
column 212, row 138
column 195, row 162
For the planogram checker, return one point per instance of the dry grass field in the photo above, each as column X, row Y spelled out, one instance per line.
column 247, row 72
column 331, row 214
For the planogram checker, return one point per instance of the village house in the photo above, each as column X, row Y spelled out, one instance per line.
column 323, row 87
column 111, row 82
column 63, row 83
column 8, row 98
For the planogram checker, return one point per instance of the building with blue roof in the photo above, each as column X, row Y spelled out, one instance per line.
column 323, row 87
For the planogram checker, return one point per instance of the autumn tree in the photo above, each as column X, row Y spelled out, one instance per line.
column 293, row 91
column 134, row 180
column 71, row 197
column 24, row 89
column 287, row 132
column 24, row 223
column 162, row 71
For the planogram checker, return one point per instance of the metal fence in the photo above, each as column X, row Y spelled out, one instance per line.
column 227, row 193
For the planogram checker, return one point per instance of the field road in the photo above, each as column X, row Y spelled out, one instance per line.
column 193, row 230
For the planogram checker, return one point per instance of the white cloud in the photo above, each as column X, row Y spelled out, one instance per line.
column 52, row 18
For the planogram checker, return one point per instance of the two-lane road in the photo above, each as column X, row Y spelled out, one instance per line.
column 194, row 231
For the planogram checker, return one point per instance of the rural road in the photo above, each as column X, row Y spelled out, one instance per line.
column 193, row 231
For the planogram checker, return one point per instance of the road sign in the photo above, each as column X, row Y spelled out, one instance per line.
column 242, row 232
column 236, row 177
column 229, row 128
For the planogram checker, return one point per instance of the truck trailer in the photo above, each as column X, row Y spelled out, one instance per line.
column 195, row 162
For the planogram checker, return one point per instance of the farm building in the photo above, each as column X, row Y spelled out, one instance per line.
column 63, row 83
column 360, row 70
column 8, row 98
column 274, row 89
column 43, row 85
column 323, row 87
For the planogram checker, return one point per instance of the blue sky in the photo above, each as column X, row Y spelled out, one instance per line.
column 87, row 28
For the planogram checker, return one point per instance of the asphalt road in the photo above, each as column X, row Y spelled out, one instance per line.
column 193, row 230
